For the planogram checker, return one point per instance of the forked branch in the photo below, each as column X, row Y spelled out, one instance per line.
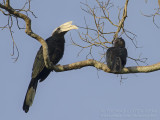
column 60, row 68
column 121, row 23
column 28, row 30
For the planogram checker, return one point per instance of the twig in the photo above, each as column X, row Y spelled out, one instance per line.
column 154, row 15
column 28, row 30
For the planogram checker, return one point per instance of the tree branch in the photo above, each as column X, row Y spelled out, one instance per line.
column 121, row 23
column 28, row 30
column 102, row 66
column 81, row 64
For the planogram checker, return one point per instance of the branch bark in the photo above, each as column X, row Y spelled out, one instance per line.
column 121, row 23
column 102, row 66
column 28, row 30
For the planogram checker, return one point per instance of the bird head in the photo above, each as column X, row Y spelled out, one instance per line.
column 64, row 28
column 119, row 42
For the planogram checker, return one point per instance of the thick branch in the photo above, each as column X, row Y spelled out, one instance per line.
column 102, row 66
column 29, row 31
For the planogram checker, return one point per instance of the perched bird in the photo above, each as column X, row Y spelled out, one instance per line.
column 40, row 72
column 116, row 56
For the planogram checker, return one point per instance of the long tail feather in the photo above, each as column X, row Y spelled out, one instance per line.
column 30, row 94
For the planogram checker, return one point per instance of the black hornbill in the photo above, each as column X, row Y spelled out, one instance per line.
column 39, row 71
column 116, row 56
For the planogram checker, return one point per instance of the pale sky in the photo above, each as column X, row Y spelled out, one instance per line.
column 84, row 94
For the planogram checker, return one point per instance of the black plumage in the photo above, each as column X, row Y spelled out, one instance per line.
column 40, row 72
column 116, row 56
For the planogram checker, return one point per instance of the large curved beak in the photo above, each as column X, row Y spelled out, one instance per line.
column 67, row 26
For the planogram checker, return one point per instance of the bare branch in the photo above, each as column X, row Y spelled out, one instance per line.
column 153, row 16
column 14, row 45
column 4, row 27
column 102, row 66
column 7, row 3
column 96, row 36
column 132, row 37
column 18, row 24
column 137, row 60
column 121, row 23
column 4, row 12
column 28, row 30
column 99, row 40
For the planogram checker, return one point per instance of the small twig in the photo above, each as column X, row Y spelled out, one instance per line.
column 4, row 27
column 18, row 24
column 157, row 13
column 14, row 44
column 3, row 12
column 133, row 38
column 142, row 60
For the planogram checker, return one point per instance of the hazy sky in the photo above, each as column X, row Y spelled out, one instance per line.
column 84, row 94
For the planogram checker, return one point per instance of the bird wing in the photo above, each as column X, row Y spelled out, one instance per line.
column 110, row 56
column 56, row 56
column 123, row 55
column 115, row 52
column 38, row 65
column 55, row 49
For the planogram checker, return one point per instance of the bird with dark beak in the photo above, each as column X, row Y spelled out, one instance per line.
column 116, row 56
